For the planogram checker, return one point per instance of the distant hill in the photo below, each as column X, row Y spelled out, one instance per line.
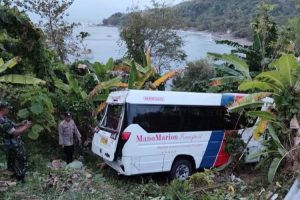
column 224, row 16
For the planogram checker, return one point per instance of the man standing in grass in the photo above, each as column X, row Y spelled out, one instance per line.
column 14, row 149
column 66, row 130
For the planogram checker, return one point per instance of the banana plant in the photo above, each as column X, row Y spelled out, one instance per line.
column 16, row 78
column 239, row 73
column 139, row 77
column 282, row 83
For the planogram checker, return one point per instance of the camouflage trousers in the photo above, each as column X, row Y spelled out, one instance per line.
column 16, row 157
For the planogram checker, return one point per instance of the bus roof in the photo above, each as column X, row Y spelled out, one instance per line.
column 171, row 98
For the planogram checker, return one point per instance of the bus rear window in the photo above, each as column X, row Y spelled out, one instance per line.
column 112, row 117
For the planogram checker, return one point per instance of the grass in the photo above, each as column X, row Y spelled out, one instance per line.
column 95, row 183
column 90, row 183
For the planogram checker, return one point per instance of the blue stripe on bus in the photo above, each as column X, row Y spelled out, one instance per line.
column 227, row 99
column 212, row 149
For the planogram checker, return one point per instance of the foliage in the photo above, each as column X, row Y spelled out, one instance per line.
column 245, row 61
column 77, row 103
column 264, row 35
column 221, row 16
column 292, row 32
column 153, row 29
column 205, row 178
column 179, row 190
column 59, row 32
column 32, row 103
column 18, row 37
column 282, row 84
column 239, row 72
column 195, row 78
column 16, row 78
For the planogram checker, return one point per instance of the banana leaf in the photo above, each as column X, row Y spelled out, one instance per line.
column 267, row 115
column 286, row 65
column 239, row 64
column 256, row 84
column 105, row 85
column 21, row 79
column 164, row 78
column 9, row 64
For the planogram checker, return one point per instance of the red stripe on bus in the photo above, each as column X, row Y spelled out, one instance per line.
column 222, row 156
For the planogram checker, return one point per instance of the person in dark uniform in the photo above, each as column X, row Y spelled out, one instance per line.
column 13, row 146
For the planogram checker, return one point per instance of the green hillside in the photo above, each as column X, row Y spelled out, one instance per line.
column 233, row 16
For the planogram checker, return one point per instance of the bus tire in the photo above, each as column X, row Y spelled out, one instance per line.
column 181, row 169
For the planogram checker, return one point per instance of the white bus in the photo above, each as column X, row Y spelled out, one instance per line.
column 163, row 131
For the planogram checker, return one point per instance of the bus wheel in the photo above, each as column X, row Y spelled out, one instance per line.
column 181, row 169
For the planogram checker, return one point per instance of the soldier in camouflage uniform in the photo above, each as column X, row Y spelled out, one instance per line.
column 14, row 149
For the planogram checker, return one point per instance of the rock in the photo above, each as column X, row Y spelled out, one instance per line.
column 88, row 175
column 56, row 164
column 75, row 164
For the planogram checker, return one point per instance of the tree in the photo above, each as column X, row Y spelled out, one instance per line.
column 293, row 30
column 195, row 78
column 245, row 61
column 153, row 29
column 59, row 32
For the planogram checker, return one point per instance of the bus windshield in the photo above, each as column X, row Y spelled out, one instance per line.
column 112, row 118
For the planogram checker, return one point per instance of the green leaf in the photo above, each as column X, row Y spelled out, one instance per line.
column 62, row 86
column 228, row 79
column 273, row 134
column 73, row 83
column 273, row 168
column 272, row 77
column 132, row 76
column 266, row 115
column 33, row 135
column 227, row 70
column 110, row 64
column 255, row 84
column 35, row 131
column 83, row 94
column 257, row 154
column 9, row 64
column 36, row 108
column 245, row 105
column 100, row 97
column 282, row 151
column 286, row 65
column 239, row 64
column 105, row 85
column 23, row 113
column 21, row 79
column 37, row 128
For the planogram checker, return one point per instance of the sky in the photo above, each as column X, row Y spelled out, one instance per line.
column 96, row 10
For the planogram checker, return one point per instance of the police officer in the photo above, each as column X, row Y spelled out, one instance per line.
column 13, row 146
column 66, row 131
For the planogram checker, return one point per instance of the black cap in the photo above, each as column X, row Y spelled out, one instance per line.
column 68, row 114
column 4, row 104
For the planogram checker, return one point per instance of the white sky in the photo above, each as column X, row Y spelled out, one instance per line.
column 97, row 10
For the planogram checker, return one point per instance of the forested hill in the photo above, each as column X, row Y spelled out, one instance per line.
column 225, row 16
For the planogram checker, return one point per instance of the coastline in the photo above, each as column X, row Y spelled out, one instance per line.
column 220, row 36
column 228, row 36
column 214, row 35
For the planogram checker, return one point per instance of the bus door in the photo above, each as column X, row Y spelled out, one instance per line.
column 106, row 140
